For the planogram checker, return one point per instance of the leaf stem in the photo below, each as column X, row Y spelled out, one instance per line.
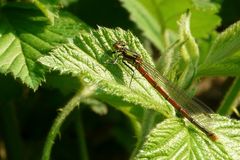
column 83, row 152
column 60, row 119
column 228, row 104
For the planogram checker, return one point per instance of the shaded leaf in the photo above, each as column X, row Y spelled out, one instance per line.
column 48, row 10
column 25, row 35
column 63, row 83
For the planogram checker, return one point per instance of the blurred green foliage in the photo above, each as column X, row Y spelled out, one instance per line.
column 30, row 102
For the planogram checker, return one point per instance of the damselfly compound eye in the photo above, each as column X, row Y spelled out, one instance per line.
column 119, row 45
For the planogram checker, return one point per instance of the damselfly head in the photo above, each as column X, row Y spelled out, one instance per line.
column 213, row 136
column 119, row 45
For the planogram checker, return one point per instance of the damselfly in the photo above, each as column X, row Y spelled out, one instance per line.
column 190, row 108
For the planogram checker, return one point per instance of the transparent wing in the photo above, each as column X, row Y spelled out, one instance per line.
column 197, row 109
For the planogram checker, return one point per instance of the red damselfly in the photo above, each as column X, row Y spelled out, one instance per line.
column 190, row 108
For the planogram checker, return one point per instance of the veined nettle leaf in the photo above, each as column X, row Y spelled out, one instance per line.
column 90, row 56
column 25, row 35
column 172, row 140
column 224, row 54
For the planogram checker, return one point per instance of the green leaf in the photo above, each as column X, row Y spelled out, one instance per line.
column 90, row 56
column 204, row 17
column 181, row 59
column 176, row 139
column 224, row 54
column 228, row 66
column 25, row 35
column 189, row 52
column 48, row 10
column 156, row 17
column 203, row 23
column 226, row 44
column 148, row 18
column 203, row 20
